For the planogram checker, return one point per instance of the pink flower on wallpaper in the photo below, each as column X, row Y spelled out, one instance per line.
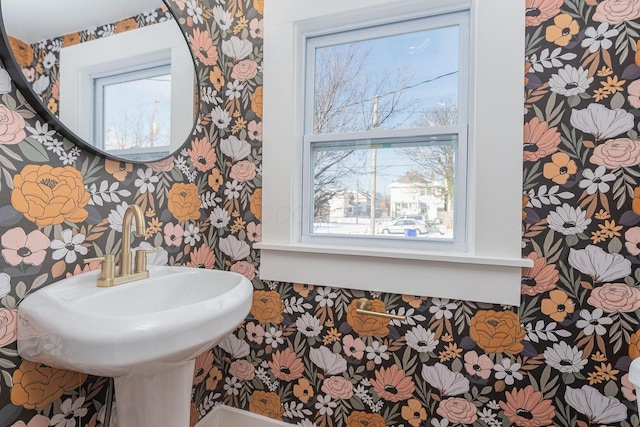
column 617, row 153
column 256, row 28
column 242, row 369
column 628, row 388
column 632, row 241
column 12, row 126
column 254, row 232
column 203, row 365
column 173, row 234
column 353, row 347
column 202, row 257
column 20, row 247
column 245, row 70
column 254, row 130
column 255, row 333
column 8, row 326
column 615, row 297
column 633, row 91
column 392, row 384
column 337, row 387
column 202, row 154
column 617, row 11
column 36, row 421
column 286, row 365
column 480, row 366
column 245, row 268
column 242, row 171
column 165, row 165
column 542, row 277
column 203, row 47
column 458, row 410
column 538, row 11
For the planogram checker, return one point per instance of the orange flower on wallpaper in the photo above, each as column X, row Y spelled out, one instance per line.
column 267, row 404
column 71, row 39
column 542, row 277
column 203, row 47
column 267, row 307
column 286, row 366
column 303, row 390
column 256, row 101
column 202, row 257
column 527, row 407
column 538, row 11
column 50, row 196
column 557, row 306
column 414, row 301
column 255, row 205
column 564, row 29
column 392, row 384
column 497, row 331
column 216, row 77
column 634, row 345
column 363, row 419
column 560, row 168
column 215, row 179
column 35, row 386
column 12, row 126
column 184, row 201
column 368, row 326
column 119, row 170
column 22, row 52
column 202, row 154
column 539, row 140
column 214, row 377
column 258, row 5
column 414, row 413
column 125, row 25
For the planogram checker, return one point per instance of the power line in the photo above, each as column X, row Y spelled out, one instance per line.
column 441, row 76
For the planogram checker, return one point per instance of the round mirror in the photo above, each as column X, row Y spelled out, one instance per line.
column 116, row 77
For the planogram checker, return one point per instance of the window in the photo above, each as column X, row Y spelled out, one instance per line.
column 386, row 121
column 460, row 240
column 132, row 110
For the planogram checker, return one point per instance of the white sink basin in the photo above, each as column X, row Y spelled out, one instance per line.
column 140, row 327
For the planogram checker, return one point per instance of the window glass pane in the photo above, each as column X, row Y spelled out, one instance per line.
column 412, row 182
column 394, row 82
column 137, row 111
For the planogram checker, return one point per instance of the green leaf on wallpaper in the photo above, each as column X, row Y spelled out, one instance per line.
column 617, row 101
column 572, row 240
column 7, row 378
column 611, row 389
column 615, row 246
column 39, row 281
column 7, row 364
column 33, row 151
column 177, row 175
column 574, row 101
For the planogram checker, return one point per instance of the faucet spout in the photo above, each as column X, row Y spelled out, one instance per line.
column 133, row 212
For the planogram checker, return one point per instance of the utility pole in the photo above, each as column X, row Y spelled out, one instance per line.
column 374, row 161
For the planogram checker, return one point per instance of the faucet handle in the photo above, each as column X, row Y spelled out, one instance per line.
column 108, row 271
column 141, row 258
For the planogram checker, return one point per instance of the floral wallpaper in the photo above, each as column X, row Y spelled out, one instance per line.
column 303, row 355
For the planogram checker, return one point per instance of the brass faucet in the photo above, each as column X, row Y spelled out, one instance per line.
column 108, row 276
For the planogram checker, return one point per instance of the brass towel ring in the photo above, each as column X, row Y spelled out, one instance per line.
column 363, row 306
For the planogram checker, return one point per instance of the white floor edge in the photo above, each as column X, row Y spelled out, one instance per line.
column 224, row 416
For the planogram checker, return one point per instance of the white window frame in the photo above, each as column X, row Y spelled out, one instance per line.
column 488, row 269
column 318, row 40
column 128, row 74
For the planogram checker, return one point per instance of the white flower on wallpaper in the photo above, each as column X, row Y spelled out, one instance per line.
column 331, row 363
column 236, row 347
column 235, row 148
column 235, row 249
column 601, row 122
column 237, row 48
column 564, row 358
column 598, row 408
column 600, row 265
column 448, row 382
column 5, row 81
column 570, row 81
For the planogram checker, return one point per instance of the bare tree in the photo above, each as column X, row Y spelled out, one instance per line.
column 438, row 160
column 345, row 90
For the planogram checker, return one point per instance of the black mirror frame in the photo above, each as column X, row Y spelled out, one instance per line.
column 21, row 83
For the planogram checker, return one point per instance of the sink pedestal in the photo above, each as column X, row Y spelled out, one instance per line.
column 153, row 400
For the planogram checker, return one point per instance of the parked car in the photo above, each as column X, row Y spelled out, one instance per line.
column 399, row 226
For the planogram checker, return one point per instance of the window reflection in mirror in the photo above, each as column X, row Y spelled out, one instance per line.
column 66, row 50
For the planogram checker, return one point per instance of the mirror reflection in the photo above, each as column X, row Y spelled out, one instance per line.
column 117, row 73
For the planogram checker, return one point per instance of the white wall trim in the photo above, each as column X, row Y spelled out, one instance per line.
column 226, row 416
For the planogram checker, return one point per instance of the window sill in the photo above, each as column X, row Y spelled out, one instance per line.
column 486, row 279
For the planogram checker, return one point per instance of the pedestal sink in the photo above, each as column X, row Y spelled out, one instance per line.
column 146, row 334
